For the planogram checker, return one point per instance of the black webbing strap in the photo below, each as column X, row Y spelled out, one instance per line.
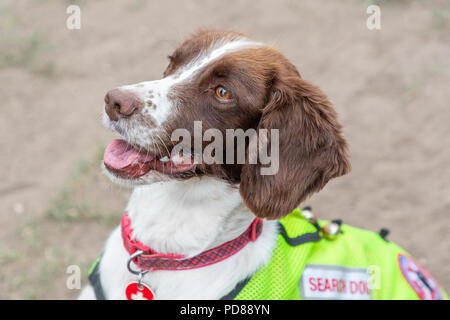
column 304, row 238
column 94, row 279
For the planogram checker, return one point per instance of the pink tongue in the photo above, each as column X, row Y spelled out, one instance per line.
column 120, row 154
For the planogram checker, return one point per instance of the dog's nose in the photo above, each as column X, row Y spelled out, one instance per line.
column 120, row 104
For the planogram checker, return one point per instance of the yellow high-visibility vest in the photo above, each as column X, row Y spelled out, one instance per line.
column 356, row 264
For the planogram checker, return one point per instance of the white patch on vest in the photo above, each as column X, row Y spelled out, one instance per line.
column 334, row 282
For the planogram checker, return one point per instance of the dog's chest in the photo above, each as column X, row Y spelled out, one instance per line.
column 212, row 282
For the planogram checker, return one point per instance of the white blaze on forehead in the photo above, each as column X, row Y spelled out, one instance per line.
column 154, row 94
column 217, row 50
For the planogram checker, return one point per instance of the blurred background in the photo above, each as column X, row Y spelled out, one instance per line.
column 391, row 88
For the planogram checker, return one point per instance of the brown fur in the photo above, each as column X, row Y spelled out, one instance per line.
column 312, row 149
column 267, row 92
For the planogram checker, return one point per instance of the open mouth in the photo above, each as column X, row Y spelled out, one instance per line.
column 127, row 162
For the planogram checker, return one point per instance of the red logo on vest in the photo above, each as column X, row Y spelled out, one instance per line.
column 419, row 279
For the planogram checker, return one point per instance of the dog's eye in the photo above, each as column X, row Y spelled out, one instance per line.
column 223, row 93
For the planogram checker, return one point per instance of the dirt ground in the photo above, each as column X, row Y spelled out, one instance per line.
column 389, row 86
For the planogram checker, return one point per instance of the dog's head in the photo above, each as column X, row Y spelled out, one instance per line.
column 223, row 81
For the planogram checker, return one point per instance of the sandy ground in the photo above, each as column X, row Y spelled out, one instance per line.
column 390, row 88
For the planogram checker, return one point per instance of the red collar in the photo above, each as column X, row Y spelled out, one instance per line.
column 151, row 260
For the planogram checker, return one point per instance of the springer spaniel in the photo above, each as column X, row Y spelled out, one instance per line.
column 182, row 208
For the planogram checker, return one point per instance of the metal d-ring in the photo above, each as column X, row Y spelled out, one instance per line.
column 139, row 273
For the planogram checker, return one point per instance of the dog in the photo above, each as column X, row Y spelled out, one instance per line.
column 183, row 212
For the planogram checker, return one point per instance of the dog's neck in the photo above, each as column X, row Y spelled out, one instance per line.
column 187, row 217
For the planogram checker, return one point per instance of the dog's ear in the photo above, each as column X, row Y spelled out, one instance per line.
column 312, row 149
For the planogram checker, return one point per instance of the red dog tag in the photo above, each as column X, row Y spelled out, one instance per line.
column 134, row 291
